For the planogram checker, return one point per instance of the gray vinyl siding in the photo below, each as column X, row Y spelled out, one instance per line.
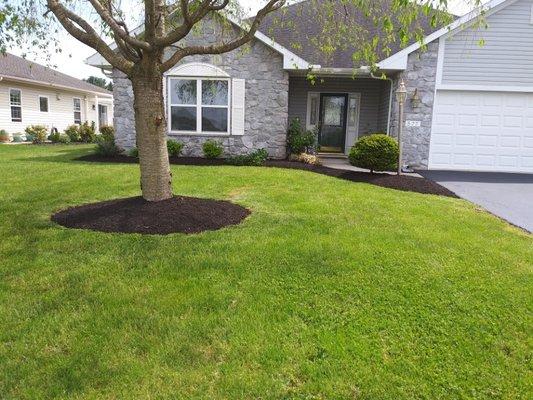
column 383, row 111
column 506, row 57
column 371, row 97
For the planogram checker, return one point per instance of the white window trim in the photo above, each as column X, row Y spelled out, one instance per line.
column 198, row 106
column 47, row 103
column 74, row 110
column 11, row 105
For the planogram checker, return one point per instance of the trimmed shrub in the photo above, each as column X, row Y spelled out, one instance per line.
column 300, row 141
column 4, row 136
column 87, row 132
column 174, row 148
column 64, row 139
column 133, row 152
column 54, row 137
column 376, row 152
column 105, row 145
column 256, row 158
column 37, row 132
column 107, row 131
column 73, row 132
column 212, row 149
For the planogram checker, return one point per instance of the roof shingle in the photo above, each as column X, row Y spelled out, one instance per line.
column 18, row 67
column 303, row 28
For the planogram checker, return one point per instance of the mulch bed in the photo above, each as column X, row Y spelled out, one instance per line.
column 136, row 215
column 405, row 183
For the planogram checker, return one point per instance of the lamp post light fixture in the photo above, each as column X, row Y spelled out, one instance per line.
column 401, row 96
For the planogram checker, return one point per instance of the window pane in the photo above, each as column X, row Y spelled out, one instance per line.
column 182, row 91
column 14, row 97
column 43, row 104
column 16, row 114
column 77, row 117
column 215, row 93
column 214, row 119
column 183, row 118
column 77, row 104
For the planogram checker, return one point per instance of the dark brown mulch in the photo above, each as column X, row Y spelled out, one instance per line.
column 405, row 183
column 136, row 215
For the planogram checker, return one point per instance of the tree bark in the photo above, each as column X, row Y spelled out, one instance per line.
column 150, row 126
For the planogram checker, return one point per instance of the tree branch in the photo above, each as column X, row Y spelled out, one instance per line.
column 87, row 35
column 116, row 26
column 183, row 30
column 220, row 48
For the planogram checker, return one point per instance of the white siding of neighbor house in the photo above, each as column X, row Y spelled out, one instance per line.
column 506, row 57
column 60, row 111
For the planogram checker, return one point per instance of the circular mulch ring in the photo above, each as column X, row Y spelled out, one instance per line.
column 136, row 215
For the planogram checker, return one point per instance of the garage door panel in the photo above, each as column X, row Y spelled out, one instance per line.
column 490, row 131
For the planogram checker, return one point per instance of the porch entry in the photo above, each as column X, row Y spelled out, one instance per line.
column 333, row 112
column 336, row 117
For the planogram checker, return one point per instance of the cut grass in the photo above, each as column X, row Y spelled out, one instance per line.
column 329, row 290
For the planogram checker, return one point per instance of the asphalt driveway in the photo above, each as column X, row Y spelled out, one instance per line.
column 509, row 196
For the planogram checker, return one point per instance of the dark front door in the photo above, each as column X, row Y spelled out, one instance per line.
column 332, row 122
column 102, row 115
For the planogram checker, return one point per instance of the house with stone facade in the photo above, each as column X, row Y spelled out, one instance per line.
column 470, row 91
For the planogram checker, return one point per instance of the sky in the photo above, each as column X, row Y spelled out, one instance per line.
column 71, row 60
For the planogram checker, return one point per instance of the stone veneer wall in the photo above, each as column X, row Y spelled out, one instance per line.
column 421, row 74
column 267, row 91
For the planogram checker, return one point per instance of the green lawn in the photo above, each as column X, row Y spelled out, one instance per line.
column 329, row 290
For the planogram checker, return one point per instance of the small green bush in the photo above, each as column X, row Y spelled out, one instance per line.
column 212, row 149
column 133, row 152
column 37, row 132
column 174, row 148
column 105, row 145
column 300, row 141
column 256, row 158
column 87, row 132
column 376, row 152
column 4, row 136
column 73, row 132
column 64, row 139
column 54, row 137
column 107, row 131
column 29, row 137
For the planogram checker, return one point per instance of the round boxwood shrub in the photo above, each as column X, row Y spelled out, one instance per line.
column 212, row 149
column 376, row 152
column 174, row 148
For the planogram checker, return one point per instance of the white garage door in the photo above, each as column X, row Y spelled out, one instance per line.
column 482, row 131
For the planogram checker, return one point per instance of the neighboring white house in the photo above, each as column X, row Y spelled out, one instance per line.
column 31, row 94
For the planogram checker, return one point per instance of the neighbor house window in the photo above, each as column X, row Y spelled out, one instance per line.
column 77, row 111
column 43, row 104
column 199, row 105
column 15, row 102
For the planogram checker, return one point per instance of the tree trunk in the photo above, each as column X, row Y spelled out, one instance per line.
column 150, row 126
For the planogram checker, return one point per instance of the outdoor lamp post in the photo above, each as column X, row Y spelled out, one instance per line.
column 401, row 96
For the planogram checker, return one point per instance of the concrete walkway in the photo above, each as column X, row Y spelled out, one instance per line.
column 509, row 196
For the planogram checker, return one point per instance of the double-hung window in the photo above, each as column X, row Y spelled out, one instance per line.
column 15, row 101
column 77, row 111
column 199, row 105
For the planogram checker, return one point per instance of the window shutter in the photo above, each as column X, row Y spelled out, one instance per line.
column 238, row 106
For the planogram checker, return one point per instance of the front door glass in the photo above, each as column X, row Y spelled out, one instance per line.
column 333, row 123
